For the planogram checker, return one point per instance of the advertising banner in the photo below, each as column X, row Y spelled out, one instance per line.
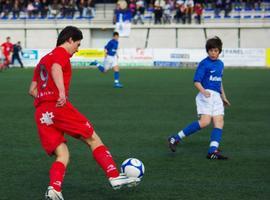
column 157, row 58
column 244, row 57
column 136, row 57
column 177, row 57
column 268, row 57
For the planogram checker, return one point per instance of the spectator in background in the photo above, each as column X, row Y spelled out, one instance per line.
column 132, row 7
column 16, row 9
column 198, row 9
column 189, row 10
column 44, row 8
column 180, row 12
column 63, row 8
column 71, row 8
column 257, row 4
column 6, row 8
column 238, row 4
column 54, row 8
column 37, row 6
column 7, row 48
column 167, row 14
column 89, row 10
column 206, row 3
column 117, row 11
column 30, row 9
column 17, row 50
column 158, row 13
column 139, row 15
column 80, row 7
column 122, row 13
column 218, row 7
column 227, row 7
column 248, row 4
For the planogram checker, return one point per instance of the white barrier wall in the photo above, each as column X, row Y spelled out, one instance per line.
column 144, row 36
column 162, row 38
column 191, row 38
column 99, row 38
column 41, row 38
column 259, row 38
column 137, row 39
column 229, row 36
column 86, row 42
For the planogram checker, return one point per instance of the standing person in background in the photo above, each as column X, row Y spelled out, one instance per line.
column 198, row 9
column 111, row 60
column 55, row 116
column 7, row 48
column 17, row 49
column 189, row 11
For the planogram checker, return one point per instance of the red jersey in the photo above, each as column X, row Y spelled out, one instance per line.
column 7, row 48
column 47, row 90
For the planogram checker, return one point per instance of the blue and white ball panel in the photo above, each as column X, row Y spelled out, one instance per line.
column 133, row 167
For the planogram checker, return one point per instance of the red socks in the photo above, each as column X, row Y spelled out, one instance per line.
column 57, row 173
column 101, row 155
column 105, row 160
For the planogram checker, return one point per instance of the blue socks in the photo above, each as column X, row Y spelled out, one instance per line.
column 192, row 128
column 116, row 77
column 215, row 140
column 188, row 130
column 100, row 68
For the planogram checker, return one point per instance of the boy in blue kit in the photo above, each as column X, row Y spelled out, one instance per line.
column 111, row 59
column 210, row 101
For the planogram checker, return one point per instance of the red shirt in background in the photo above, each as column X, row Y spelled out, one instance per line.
column 7, row 48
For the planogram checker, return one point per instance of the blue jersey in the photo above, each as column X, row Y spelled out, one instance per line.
column 112, row 47
column 209, row 73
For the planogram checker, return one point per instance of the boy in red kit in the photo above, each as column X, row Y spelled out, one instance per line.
column 7, row 48
column 55, row 115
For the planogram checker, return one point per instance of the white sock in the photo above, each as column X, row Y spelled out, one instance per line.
column 181, row 134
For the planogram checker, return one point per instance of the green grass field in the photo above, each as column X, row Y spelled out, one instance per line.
column 135, row 122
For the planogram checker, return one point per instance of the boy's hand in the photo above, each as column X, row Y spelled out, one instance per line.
column 226, row 102
column 61, row 100
column 206, row 93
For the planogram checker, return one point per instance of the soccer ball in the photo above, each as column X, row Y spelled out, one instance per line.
column 133, row 167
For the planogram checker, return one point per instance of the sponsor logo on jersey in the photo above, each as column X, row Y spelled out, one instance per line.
column 215, row 78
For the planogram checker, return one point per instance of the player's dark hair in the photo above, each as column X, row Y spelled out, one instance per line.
column 69, row 32
column 115, row 34
column 214, row 42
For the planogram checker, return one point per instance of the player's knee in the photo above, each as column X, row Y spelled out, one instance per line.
column 94, row 141
column 204, row 122
column 219, row 124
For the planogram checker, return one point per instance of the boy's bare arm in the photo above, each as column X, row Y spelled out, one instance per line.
column 201, row 89
column 33, row 89
column 223, row 96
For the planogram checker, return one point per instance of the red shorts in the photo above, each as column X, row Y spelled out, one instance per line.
column 53, row 122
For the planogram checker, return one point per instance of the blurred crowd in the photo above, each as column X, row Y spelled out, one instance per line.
column 46, row 8
column 161, row 11
column 179, row 11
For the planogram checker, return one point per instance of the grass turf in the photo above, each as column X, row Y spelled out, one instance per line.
column 135, row 122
